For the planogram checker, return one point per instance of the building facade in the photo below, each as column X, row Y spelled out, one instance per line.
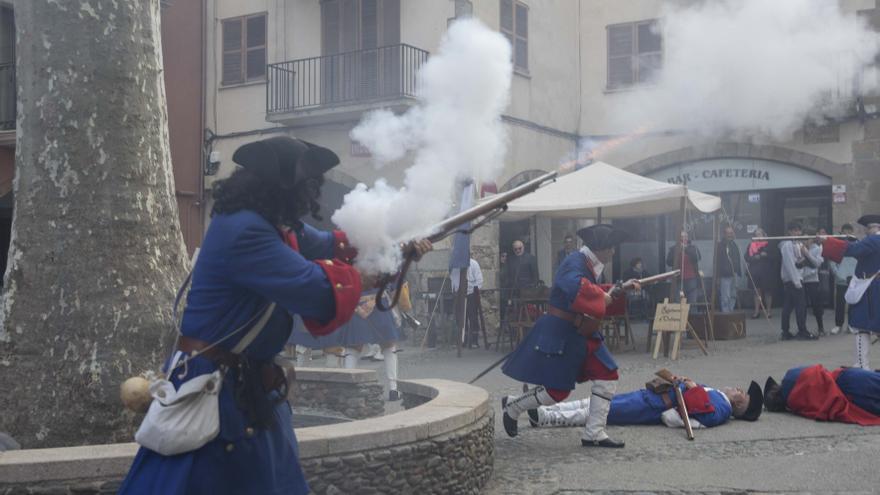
column 311, row 68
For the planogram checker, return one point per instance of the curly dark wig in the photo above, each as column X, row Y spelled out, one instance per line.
column 280, row 205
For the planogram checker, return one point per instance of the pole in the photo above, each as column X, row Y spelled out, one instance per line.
column 460, row 316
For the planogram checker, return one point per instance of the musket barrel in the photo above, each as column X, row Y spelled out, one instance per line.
column 801, row 237
column 499, row 200
column 659, row 277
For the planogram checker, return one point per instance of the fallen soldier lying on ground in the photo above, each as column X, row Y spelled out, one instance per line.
column 847, row 395
column 657, row 404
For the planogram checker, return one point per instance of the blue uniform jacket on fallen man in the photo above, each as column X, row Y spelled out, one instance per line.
column 707, row 407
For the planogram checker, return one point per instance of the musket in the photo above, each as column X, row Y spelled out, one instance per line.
column 488, row 209
column 653, row 279
column 679, row 397
column 846, row 237
column 619, row 287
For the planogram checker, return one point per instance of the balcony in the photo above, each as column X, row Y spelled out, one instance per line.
column 342, row 86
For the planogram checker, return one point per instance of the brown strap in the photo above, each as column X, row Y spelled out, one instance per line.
column 586, row 325
column 666, row 400
column 217, row 355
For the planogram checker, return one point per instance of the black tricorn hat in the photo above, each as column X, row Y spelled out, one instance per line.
column 756, row 403
column 773, row 399
column 285, row 160
column 868, row 219
column 601, row 236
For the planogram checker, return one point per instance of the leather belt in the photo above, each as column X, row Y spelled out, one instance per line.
column 666, row 400
column 584, row 324
column 273, row 376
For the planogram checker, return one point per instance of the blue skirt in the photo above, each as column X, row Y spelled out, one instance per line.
column 377, row 328
column 301, row 336
column 264, row 462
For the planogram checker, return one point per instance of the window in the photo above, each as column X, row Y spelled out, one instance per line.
column 635, row 53
column 515, row 26
column 244, row 49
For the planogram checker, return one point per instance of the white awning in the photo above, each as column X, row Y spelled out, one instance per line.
column 620, row 194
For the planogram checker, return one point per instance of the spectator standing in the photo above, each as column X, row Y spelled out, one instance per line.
column 522, row 268
column 760, row 268
column 638, row 298
column 728, row 256
column 826, row 284
column 568, row 247
column 842, row 272
column 812, row 289
column 691, row 269
column 793, row 260
column 503, row 285
column 472, row 316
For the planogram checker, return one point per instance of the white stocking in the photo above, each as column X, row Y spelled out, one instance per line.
column 301, row 356
column 351, row 357
column 571, row 413
column 600, row 404
column 391, row 366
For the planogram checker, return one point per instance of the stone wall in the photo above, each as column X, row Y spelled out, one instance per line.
column 443, row 445
column 354, row 393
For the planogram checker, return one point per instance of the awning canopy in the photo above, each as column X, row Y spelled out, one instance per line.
column 620, row 194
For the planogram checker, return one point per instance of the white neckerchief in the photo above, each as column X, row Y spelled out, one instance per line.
column 598, row 266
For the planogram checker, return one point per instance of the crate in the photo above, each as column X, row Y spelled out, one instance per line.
column 728, row 326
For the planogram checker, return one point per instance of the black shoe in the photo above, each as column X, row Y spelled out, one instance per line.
column 786, row 336
column 607, row 443
column 533, row 417
column 509, row 423
column 821, row 332
column 805, row 336
column 393, row 396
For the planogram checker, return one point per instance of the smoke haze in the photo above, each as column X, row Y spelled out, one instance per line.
column 456, row 133
column 753, row 67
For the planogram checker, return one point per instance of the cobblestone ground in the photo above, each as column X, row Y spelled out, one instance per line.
column 780, row 453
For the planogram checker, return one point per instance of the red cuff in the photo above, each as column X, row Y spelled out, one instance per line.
column 590, row 300
column 346, row 284
column 834, row 249
column 697, row 401
column 342, row 249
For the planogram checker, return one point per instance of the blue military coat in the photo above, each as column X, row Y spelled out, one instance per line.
column 865, row 314
column 245, row 263
column 860, row 386
column 644, row 407
column 553, row 352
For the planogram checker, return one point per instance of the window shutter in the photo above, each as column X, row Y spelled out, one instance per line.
column 256, row 47
column 330, row 26
column 390, row 22
column 232, row 52
column 507, row 15
column 620, row 54
column 521, row 58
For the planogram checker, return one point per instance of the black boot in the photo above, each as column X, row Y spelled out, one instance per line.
column 607, row 443
column 510, row 425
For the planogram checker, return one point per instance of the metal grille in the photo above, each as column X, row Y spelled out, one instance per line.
column 344, row 78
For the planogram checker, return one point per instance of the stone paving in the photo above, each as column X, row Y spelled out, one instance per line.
column 780, row 453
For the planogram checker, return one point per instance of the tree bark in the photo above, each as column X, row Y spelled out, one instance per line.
column 96, row 252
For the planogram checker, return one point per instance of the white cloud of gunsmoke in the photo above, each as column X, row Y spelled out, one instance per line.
column 455, row 131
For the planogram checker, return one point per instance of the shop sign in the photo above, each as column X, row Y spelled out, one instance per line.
column 739, row 174
column 838, row 197
column 838, row 188
column 754, row 197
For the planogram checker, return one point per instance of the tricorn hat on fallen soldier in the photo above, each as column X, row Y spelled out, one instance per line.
column 285, row 160
column 866, row 220
column 756, row 403
column 773, row 399
column 601, row 236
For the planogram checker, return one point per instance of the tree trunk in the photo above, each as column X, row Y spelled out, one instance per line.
column 96, row 252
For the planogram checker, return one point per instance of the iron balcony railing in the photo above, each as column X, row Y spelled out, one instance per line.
column 344, row 78
column 7, row 97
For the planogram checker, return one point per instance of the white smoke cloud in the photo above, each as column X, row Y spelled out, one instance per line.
column 753, row 67
column 456, row 132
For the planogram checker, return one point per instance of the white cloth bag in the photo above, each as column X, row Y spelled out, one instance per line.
column 857, row 288
column 182, row 420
